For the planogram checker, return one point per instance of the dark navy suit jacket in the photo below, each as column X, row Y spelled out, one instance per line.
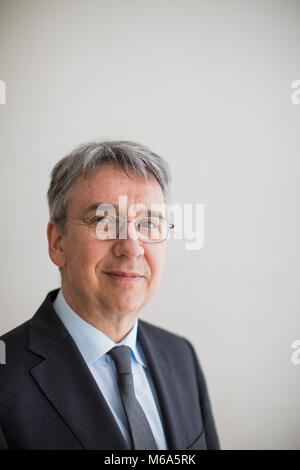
column 50, row 400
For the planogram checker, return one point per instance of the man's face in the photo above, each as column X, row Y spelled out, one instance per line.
column 86, row 260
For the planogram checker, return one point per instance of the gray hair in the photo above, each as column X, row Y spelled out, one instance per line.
column 87, row 158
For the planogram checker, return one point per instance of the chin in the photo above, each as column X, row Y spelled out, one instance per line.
column 126, row 308
column 125, row 305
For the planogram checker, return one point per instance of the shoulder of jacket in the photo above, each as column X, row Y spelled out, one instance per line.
column 17, row 335
column 163, row 334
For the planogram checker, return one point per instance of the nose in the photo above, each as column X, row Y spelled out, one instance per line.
column 130, row 246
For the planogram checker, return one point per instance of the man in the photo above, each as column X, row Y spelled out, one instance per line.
column 84, row 372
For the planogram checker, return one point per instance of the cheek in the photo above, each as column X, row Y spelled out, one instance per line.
column 85, row 254
column 156, row 260
column 95, row 254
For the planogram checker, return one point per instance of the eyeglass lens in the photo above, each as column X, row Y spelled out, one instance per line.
column 147, row 228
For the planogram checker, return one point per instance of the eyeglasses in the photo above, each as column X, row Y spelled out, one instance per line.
column 149, row 229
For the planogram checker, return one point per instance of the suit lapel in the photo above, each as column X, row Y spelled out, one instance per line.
column 68, row 383
column 165, row 385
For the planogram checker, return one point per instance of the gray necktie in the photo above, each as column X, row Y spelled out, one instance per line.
column 139, row 427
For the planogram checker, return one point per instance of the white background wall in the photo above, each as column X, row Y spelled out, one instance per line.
column 207, row 84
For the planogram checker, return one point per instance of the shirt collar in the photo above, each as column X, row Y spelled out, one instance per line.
column 91, row 342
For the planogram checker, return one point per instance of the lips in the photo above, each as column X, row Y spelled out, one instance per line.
column 124, row 276
column 122, row 273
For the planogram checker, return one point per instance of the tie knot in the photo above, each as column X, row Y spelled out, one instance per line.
column 121, row 356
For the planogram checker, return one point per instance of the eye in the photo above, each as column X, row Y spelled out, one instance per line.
column 97, row 219
column 147, row 223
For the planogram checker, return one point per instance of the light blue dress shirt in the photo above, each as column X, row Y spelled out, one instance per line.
column 93, row 346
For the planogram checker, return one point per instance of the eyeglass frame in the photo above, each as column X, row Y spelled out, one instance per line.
column 87, row 221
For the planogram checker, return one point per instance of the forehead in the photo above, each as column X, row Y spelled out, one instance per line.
column 108, row 183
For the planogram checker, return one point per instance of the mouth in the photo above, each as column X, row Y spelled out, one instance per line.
column 123, row 276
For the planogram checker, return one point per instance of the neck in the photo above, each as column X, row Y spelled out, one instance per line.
column 115, row 325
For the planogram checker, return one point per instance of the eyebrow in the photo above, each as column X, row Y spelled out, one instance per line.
column 94, row 206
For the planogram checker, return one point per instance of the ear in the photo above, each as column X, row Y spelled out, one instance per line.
column 56, row 245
